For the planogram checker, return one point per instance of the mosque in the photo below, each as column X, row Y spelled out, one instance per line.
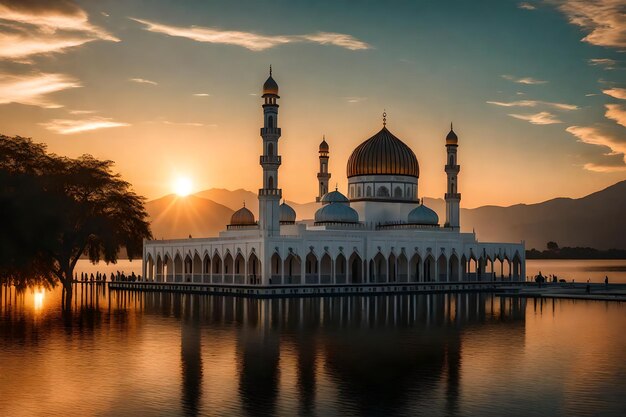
column 379, row 233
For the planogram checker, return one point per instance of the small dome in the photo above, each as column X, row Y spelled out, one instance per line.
column 324, row 146
column 287, row 214
column 335, row 197
column 452, row 138
column 242, row 217
column 336, row 213
column 270, row 86
column 383, row 154
column 423, row 215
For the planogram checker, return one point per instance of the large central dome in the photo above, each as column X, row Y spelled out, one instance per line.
column 383, row 154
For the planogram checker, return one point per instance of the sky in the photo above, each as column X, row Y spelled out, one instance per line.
column 171, row 90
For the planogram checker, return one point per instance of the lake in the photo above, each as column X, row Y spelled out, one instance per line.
column 156, row 354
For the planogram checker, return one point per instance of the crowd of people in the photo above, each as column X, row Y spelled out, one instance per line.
column 102, row 277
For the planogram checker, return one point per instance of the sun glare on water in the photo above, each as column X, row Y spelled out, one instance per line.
column 183, row 186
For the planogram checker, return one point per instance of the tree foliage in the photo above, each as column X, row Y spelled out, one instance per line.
column 55, row 209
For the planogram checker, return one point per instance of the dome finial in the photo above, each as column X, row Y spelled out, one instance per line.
column 244, row 203
column 270, row 70
column 451, row 128
column 336, row 186
column 384, row 117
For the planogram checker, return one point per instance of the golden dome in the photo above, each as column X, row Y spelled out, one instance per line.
column 452, row 138
column 242, row 217
column 383, row 154
column 270, row 87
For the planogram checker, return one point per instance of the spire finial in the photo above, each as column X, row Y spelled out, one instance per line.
column 451, row 128
column 270, row 70
column 244, row 203
column 384, row 117
column 336, row 186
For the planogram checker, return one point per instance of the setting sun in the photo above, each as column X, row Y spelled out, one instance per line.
column 183, row 186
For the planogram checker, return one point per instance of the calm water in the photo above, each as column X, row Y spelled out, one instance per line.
column 133, row 354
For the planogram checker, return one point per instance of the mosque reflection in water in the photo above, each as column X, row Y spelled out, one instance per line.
column 384, row 352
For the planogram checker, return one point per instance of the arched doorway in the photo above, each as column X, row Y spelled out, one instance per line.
column 326, row 269
column 416, row 268
column 293, row 269
column 276, row 265
column 254, row 270
column 356, row 268
column 311, row 269
column 340, row 269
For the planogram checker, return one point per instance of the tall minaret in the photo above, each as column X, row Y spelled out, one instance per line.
column 270, row 194
column 323, row 176
column 452, row 168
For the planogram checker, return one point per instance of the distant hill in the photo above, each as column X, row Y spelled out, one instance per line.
column 178, row 217
column 597, row 220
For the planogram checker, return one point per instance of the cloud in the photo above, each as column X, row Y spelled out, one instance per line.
column 593, row 136
column 534, row 103
column 616, row 112
column 355, row 99
column 202, row 94
column 607, row 63
column 82, row 111
column 616, row 93
column 250, row 40
column 604, row 20
column 526, row 6
column 195, row 124
column 143, row 81
column 523, row 80
column 33, row 89
column 68, row 127
column 541, row 118
column 37, row 26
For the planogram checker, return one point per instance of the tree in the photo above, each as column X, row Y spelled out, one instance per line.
column 552, row 246
column 88, row 210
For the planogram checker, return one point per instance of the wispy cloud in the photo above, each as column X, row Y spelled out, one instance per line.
column 616, row 93
column 523, row 80
column 33, row 89
column 606, row 63
column 202, row 94
column 526, row 6
column 68, row 127
column 143, row 81
column 616, row 112
column 355, row 99
column 541, row 118
column 82, row 112
column 35, row 27
column 195, row 124
column 593, row 136
column 250, row 40
column 604, row 20
column 534, row 103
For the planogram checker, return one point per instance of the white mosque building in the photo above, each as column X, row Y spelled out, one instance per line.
column 380, row 233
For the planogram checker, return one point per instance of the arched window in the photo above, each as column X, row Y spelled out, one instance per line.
column 270, row 121
column 270, row 182
column 270, row 149
column 369, row 191
column 397, row 192
column 382, row 192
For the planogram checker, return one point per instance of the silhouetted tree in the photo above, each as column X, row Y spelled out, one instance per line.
column 552, row 246
column 62, row 209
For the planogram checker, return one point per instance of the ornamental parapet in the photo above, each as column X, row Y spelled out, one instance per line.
column 270, row 192
column 270, row 159
column 270, row 131
column 453, row 196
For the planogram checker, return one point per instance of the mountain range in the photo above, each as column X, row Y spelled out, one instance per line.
column 597, row 220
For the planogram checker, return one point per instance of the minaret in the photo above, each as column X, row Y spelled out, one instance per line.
column 452, row 168
column 270, row 194
column 323, row 176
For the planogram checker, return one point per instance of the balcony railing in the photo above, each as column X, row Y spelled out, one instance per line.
column 270, row 131
column 270, row 159
column 271, row 192
column 453, row 195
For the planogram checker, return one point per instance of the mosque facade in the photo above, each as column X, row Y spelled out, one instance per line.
column 379, row 232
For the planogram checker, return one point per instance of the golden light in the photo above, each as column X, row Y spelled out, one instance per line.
column 38, row 299
column 183, row 186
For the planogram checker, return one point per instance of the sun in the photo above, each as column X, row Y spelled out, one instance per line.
column 183, row 186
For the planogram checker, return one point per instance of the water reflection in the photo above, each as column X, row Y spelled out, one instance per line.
column 156, row 354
